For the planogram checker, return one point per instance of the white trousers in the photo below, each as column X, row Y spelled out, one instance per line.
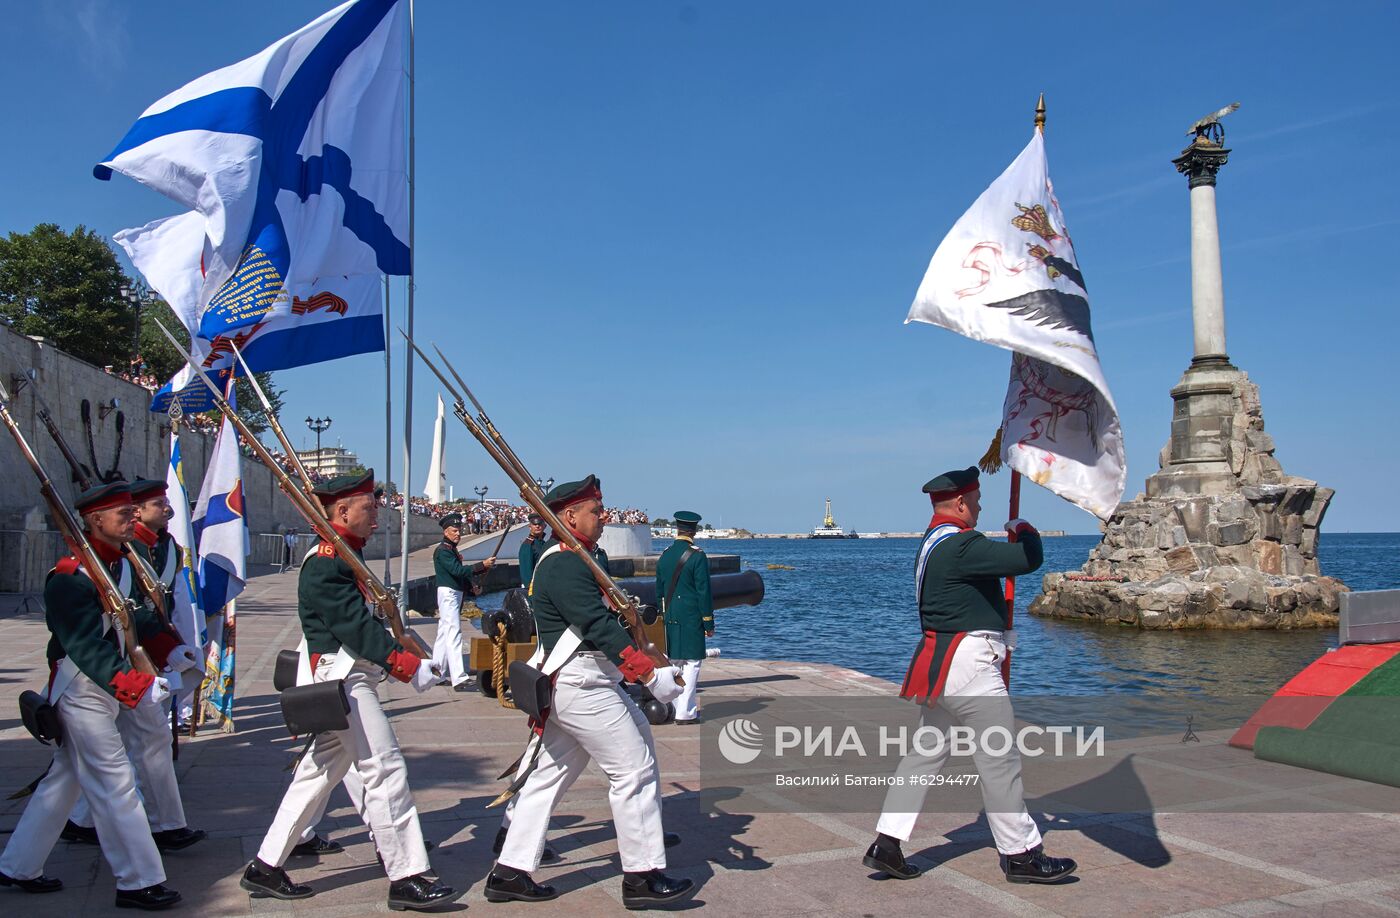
column 974, row 696
column 686, row 708
column 447, row 646
column 145, row 731
column 355, row 788
column 593, row 719
column 92, row 761
column 371, row 747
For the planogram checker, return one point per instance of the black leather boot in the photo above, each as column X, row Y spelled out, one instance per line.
column 549, row 856
column 671, row 839
column 178, row 839
column 151, row 899
column 652, row 887
column 316, row 847
column 506, row 884
column 80, row 835
column 419, row 892
column 1035, row 867
column 886, row 856
column 40, row 884
column 262, row 880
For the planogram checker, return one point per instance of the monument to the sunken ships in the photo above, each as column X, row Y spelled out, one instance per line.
column 1222, row 538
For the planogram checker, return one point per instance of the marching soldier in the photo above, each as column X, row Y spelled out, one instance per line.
column 591, row 719
column 956, row 673
column 95, row 688
column 453, row 579
column 683, row 589
column 345, row 641
column 531, row 549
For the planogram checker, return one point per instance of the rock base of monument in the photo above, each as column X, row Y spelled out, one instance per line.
column 1222, row 538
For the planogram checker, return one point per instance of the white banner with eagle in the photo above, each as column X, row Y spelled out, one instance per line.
column 1006, row 274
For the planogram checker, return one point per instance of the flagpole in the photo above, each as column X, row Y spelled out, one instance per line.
column 1014, row 503
column 408, row 319
column 388, row 425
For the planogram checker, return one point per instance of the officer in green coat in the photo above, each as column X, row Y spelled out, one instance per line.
column 531, row 549
column 453, row 579
column 683, row 590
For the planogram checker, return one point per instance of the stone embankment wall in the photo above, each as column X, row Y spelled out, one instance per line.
column 109, row 425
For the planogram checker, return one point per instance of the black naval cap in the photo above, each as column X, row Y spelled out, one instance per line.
column 535, row 519
column 952, row 484
column 104, row 497
column 452, row 519
column 571, row 492
column 343, row 486
column 687, row 519
column 143, row 489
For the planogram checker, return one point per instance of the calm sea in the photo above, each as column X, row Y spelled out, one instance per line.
column 850, row 602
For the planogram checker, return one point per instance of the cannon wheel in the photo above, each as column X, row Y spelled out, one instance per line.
column 486, row 682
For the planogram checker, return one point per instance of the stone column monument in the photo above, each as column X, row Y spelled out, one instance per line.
column 1222, row 538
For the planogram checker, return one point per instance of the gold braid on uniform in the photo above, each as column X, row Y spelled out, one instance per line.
column 498, row 665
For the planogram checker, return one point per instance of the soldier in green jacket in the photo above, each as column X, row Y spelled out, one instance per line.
column 531, row 549
column 96, row 689
column 453, row 579
column 683, row 590
column 956, row 673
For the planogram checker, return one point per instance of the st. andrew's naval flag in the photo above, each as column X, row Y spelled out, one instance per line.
column 1006, row 274
column 294, row 159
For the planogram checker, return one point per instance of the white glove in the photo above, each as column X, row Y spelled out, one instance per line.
column 1012, row 524
column 182, row 658
column 158, row 692
column 425, row 678
column 663, row 685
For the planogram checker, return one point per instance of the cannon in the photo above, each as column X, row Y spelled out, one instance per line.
column 726, row 590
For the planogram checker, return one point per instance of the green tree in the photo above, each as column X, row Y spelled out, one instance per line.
column 66, row 287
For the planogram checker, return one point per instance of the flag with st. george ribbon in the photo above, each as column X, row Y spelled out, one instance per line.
column 221, row 534
column 295, row 160
column 331, row 317
column 1007, row 274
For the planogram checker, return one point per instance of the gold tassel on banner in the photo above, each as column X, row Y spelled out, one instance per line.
column 990, row 463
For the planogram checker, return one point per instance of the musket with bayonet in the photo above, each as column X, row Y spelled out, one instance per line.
column 380, row 596
column 146, row 576
column 495, row 445
column 120, row 609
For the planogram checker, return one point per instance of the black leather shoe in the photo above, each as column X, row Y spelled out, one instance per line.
column 81, row 835
column 671, row 839
column 419, row 892
column 643, row 890
column 263, row 881
column 178, row 839
column 886, row 856
column 506, row 884
column 151, row 899
column 548, row 856
column 317, row 847
column 40, row 884
column 1035, row 867
column 468, row 685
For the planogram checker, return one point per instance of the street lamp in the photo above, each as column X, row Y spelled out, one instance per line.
column 546, row 484
column 318, row 425
column 481, row 492
column 139, row 299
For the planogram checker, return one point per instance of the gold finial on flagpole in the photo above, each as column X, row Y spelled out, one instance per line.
column 1040, row 114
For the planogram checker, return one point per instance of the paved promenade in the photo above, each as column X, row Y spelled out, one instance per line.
column 769, row 864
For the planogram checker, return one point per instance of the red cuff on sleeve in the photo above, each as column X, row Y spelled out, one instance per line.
column 159, row 646
column 130, row 686
column 403, row 664
column 636, row 666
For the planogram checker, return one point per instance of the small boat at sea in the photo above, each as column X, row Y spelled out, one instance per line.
column 829, row 530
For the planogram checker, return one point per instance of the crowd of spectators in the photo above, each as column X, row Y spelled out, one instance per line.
column 478, row 518
column 137, row 372
column 631, row 516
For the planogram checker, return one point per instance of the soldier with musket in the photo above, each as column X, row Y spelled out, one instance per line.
column 590, row 718
column 95, row 687
column 453, row 579
column 344, row 640
column 956, row 674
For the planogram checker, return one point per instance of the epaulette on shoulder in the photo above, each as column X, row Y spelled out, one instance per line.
column 68, row 565
column 325, row 550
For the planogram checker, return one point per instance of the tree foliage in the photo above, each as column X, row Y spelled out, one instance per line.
column 66, row 287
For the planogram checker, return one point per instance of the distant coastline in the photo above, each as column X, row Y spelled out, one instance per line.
column 745, row 534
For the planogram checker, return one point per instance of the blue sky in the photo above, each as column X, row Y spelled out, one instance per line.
column 673, row 244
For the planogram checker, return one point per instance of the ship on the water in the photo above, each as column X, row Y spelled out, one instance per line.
column 829, row 530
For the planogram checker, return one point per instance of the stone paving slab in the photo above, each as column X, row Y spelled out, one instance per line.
column 752, row 864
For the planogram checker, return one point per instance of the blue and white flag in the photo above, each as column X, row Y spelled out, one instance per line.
column 334, row 317
column 220, row 529
column 295, row 159
column 189, row 613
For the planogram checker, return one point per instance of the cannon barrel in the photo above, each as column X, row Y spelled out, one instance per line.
column 727, row 590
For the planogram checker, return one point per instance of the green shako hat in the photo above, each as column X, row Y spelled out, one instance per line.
column 143, row 489
column 103, row 497
column 452, row 519
column 571, row 492
column 687, row 519
column 342, row 486
column 952, row 484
